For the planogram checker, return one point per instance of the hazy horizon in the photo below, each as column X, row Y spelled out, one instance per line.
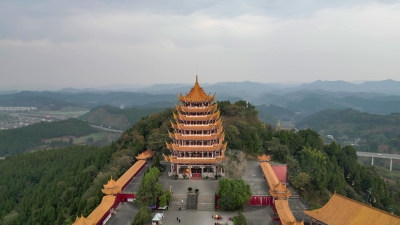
column 204, row 84
column 57, row 44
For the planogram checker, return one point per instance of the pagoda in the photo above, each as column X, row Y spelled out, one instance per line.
column 198, row 138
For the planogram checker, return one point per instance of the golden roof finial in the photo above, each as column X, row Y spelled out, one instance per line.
column 197, row 78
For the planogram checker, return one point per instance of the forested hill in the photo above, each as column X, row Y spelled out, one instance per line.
column 377, row 133
column 19, row 140
column 117, row 118
column 53, row 187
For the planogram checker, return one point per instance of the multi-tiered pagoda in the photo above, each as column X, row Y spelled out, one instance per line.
column 198, row 138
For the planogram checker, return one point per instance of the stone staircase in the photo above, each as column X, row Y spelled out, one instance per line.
column 176, row 201
column 192, row 201
column 206, row 203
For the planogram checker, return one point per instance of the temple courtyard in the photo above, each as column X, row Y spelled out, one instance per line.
column 255, row 215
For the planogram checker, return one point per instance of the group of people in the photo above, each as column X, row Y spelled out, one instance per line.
column 177, row 219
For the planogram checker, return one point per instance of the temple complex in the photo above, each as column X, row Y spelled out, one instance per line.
column 198, row 138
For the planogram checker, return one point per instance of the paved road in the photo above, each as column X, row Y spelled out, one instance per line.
column 107, row 129
column 378, row 155
column 126, row 212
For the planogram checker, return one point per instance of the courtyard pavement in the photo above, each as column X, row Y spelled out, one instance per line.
column 255, row 178
column 180, row 186
column 255, row 215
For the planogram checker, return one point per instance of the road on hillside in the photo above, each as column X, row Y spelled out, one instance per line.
column 107, row 129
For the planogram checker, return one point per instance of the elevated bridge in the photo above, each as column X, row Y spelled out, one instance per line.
column 379, row 155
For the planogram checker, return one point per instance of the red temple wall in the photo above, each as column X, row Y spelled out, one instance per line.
column 281, row 172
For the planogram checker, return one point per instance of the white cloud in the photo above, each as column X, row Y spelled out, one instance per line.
column 93, row 47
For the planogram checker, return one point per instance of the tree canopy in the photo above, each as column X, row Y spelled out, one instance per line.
column 149, row 189
column 233, row 193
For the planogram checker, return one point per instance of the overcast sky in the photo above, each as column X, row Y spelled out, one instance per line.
column 73, row 43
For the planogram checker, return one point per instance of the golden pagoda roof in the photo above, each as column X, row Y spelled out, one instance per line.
column 264, row 157
column 145, row 155
column 97, row 214
column 178, row 126
column 196, row 94
column 174, row 147
column 345, row 211
column 211, row 108
column 176, row 136
column 215, row 115
column 285, row 214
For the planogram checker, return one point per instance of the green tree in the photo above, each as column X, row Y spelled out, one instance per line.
column 149, row 188
column 240, row 219
column 168, row 196
column 233, row 193
column 142, row 216
column 156, row 162
column 300, row 181
column 163, row 200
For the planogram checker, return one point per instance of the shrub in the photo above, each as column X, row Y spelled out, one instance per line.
column 143, row 216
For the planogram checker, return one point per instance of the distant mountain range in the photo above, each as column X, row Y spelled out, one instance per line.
column 298, row 101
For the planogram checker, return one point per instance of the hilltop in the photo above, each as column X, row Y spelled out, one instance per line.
column 117, row 118
column 45, row 135
column 368, row 132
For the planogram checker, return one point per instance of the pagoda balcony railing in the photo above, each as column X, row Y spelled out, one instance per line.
column 196, row 115
column 197, row 145
column 197, row 107
column 197, row 157
column 189, row 125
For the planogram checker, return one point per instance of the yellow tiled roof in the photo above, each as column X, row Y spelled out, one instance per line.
column 264, row 157
column 174, row 147
column 285, row 214
column 341, row 210
column 123, row 180
column 98, row 213
column 111, row 188
column 269, row 174
column 145, row 155
column 196, row 94
column 217, row 124
column 211, row 108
